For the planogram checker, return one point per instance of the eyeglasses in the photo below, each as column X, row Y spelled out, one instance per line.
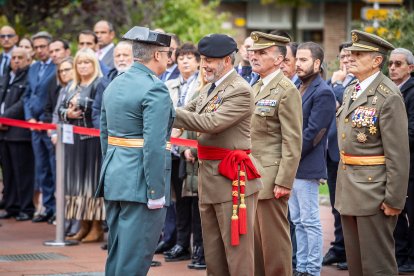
column 169, row 52
column 64, row 70
column 3, row 36
column 397, row 63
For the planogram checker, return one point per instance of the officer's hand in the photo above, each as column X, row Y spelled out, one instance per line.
column 156, row 203
column 176, row 133
column 389, row 211
column 280, row 191
column 189, row 156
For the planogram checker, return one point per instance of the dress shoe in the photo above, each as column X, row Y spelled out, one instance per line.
column 51, row 219
column 406, row 269
column 332, row 258
column 85, row 226
column 162, row 247
column 155, row 263
column 6, row 215
column 23, row 217
column 42, row 218
column 177, row 253
column 342, row 266
column 197, row 259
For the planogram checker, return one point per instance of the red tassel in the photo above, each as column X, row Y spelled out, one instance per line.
column 243, row 219
column 235, row 240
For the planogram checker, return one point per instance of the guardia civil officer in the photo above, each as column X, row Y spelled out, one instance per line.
column 227, row 178
column 373, row 171
column 276, row 144
column 136, row 122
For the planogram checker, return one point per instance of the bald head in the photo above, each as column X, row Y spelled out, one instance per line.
column 20, row 58
column 104, row 30
column 8, row 38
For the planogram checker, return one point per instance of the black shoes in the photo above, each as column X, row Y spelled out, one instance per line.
column 331, row 258
column 297, row 273
column 6, row 215
column 42, row 218
column 2, row 204
column 342, row 266
column 23, row 217
column 197, row 259
column 177, row 253
column 162, row 247
column 406, row 269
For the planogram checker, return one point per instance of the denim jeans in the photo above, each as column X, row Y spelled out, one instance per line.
column 304, row 213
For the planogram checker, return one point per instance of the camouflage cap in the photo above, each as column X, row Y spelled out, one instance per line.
column 366, row 42
column 263, row 41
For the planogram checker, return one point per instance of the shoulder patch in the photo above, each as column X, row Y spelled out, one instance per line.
column 286, row 84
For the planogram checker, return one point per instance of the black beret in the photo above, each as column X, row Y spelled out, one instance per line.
column 217, row 45
column 145, row 35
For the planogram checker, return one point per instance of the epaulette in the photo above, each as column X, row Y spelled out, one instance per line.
column 387, row 88
column 286, row 84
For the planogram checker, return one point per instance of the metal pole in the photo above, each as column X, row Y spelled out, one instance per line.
column 60, row 194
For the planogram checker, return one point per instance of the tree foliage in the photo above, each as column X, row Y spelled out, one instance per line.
column 65, row 18
column 398, row 29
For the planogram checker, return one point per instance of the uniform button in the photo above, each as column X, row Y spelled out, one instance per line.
column 343, row 135
column 262, row 114
column 276, row 162
column 152, row 192
column 370, row 178
column 346, row 120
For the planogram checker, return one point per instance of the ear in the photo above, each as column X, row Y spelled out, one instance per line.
column 411, row 67
column 157, row 55
column 377, row 61
column 317, row 65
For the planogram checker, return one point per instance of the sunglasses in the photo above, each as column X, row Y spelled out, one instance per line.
column 396, row 63
column 3, row 36
column 169, row 52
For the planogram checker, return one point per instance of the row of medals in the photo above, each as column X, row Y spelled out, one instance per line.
column 365, row 117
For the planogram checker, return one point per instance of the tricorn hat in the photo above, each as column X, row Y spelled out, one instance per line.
column 145, row 35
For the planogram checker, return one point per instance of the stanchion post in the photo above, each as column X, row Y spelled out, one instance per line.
column 60, row 194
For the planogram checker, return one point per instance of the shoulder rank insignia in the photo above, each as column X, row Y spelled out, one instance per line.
column 267, row 103
column 374, row 100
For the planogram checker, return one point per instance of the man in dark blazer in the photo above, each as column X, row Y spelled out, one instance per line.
column 400, row 66
column 39, row 76
column 339, row 81
column 8, row 40
column 105, row 32
column 16, row 149
column 318, row 106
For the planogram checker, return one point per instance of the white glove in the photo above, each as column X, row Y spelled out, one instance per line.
column 156, row 203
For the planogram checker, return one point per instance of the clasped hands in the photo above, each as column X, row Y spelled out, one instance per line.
column 389, row 211
column 73, row 111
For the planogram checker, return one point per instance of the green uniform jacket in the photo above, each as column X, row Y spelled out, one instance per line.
column 360, row 190
column 222, row 120
column 277, row 133
column 136, row 104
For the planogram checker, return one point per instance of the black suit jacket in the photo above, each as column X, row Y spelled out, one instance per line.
column 12, row 96
column 407, row 91
column 53, row 94
column 6, row 69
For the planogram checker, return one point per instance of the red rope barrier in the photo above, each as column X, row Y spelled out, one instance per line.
column 82, row 130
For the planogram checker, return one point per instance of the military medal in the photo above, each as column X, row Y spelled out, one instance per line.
column 372, row 129
column 362, row 137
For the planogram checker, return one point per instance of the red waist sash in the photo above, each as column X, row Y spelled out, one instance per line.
column 235, row 165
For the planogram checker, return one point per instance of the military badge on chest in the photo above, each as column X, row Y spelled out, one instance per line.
column 214, row 103
column 365, row 118
column 265, row 106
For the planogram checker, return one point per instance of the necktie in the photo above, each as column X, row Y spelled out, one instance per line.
column 41, row 70
column 257, row 87
column 355, row 92
column 212, row 87
column 4, row 64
